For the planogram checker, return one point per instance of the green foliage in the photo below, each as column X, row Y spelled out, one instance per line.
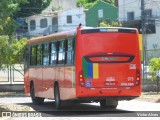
column 8, row 27
column 89, row 3
column 110, row 1
column 7, row 9
column 10, row 10
column 110, row 24
column 32, row 7
column 154, row 67
column 11, row 54
column 3, row 48
column 86, row 3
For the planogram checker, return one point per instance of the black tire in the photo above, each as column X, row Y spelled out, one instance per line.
column 112, row 105
column 35, row 100
column 57, row 97
column 103, row 104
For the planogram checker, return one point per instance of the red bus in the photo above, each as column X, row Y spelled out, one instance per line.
column 88, row 64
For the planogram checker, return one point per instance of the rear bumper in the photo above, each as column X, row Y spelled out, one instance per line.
column 118, row 98
column 121, row 93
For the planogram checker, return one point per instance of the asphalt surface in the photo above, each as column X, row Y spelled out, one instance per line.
column 124, row 109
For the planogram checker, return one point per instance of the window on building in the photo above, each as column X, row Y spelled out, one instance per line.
column 46, row 54
column 53, row 53
column 43, row 23
column 130, row 16
column 100, row 13
column 32, row 25
column 148, row 13
column 69, row 19
column 55, row 24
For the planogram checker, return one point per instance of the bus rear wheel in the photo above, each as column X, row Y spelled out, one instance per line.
column 35, row 100
column 108, row 104
column 57, row 97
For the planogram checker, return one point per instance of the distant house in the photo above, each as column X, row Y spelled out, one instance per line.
column 130, row 15
column 44, row 24
column 101, row 11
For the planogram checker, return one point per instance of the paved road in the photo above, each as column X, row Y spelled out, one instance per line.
column 124, row 108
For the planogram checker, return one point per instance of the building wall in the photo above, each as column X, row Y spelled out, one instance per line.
column 135, row 5
column 151, row 41
column 129, row 6
column 38, row 30
column 95, row 14
column 64, row 4
column 77, row 14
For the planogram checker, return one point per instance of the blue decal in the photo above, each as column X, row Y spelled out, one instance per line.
column 90, row 70
column 88, row 84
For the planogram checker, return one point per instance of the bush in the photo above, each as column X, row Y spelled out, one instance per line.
column 154, row 68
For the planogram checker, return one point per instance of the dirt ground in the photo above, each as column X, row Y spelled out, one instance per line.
column 146, row 96
column 150, row 97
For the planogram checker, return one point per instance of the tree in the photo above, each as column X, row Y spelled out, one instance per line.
column 32, row 7
column 10, row 10
column 110, row 1
column 110, row 24
column 7, row 9
column 89, row 3
column 154, row 68
column 11, row 53
column 12, row 50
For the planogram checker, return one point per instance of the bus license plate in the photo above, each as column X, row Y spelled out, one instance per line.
column 110, row 83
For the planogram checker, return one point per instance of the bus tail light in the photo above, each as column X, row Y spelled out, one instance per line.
column 138, row 76
column 81, row 79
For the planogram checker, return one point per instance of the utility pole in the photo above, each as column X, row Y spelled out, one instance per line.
column 143, row 34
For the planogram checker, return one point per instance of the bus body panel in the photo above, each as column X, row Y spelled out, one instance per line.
column 35, row 75
column 48, row 81
column 108, row 63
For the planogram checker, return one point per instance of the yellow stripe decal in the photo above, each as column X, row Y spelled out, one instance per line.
column 95, row 71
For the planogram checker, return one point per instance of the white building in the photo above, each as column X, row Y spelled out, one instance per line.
column 57, row 21
column 130, row 11
column 60, row 5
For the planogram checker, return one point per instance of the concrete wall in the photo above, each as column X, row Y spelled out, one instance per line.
column 11, row 88
column 152, row 41
column 37, row 18
column 78, row 16
column 135, row 6
column 64, row 4
column 129, row 6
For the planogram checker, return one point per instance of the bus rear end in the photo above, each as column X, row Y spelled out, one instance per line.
column 107, row 64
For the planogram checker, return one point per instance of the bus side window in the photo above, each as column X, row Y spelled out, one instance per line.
column 53, row 53
column 70, row 51
column 33, row 56
column 39, row 54
column 46, row 54
column 61, row 52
